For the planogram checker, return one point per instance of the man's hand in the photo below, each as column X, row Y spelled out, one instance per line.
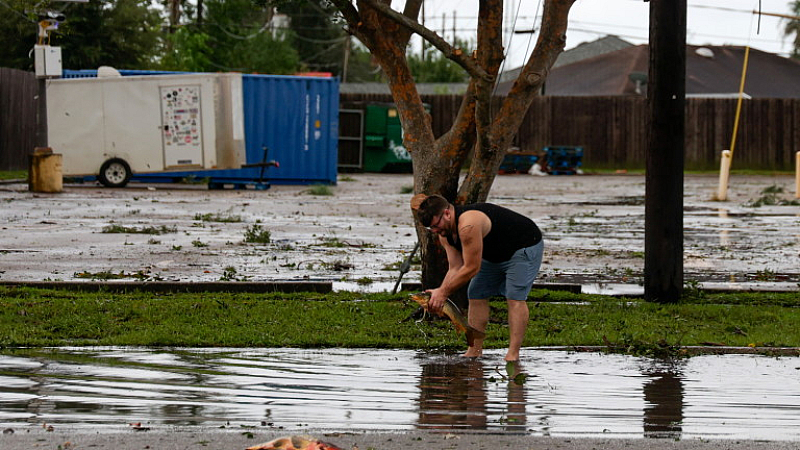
column 436, row 303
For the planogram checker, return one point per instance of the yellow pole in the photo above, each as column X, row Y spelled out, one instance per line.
column 739, row 102
column 727, row 155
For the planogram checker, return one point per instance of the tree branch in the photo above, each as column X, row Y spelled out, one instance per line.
column 352, row 17
column 455, row 54
column 552, row 38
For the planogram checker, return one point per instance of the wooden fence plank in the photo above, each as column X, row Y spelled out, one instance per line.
column 18, row 90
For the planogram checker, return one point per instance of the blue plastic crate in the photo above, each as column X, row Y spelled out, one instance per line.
column 518, row 162
column 563, row 160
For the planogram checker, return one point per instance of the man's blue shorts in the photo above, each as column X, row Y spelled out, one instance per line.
column 512, row 279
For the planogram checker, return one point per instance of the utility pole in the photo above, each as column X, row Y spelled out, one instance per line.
column 454, row 28
column 47, row 64
column 346, row 58
column 423, row 25
column 666, row 96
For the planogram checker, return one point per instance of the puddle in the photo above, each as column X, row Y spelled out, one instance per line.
column 612, row 289
column 373, row 287
column 565, row 394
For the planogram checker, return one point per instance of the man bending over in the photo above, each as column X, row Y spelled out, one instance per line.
column 494, row 249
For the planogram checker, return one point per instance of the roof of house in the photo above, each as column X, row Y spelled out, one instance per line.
column 582, row 51
column 612, row 66
column 713, row 71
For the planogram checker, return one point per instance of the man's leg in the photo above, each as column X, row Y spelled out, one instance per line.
column 522, row 271
column 478, row 317
column 517, row 323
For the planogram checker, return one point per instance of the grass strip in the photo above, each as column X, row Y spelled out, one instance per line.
column 13, row 174
column 50, row 317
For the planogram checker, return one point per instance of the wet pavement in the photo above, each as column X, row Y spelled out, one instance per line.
column 292, row 391
column 359, row 235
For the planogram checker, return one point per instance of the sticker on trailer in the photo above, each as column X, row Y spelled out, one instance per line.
column 181, row 123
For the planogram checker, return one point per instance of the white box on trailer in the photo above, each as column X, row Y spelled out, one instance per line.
column 114, row 127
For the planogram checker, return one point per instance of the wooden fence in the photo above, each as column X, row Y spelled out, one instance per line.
column 18, row 90
column 612, row 130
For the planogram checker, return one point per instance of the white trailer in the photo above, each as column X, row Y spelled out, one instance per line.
column 114, row 127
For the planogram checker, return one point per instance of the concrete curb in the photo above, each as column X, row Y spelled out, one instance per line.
column 168, row 438
column 255, row 287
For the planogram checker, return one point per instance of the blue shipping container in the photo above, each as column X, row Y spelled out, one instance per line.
column 295, row 118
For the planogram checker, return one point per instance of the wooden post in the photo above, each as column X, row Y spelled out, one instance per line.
column 666, row 92
column 41, row 113
column 797, row 175
column 45, row 173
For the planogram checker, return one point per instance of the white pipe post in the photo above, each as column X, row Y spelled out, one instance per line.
column 724, row 173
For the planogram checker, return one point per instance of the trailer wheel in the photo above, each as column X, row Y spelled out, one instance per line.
column 114, row 173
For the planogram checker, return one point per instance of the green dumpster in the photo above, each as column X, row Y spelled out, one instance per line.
column 383, row 140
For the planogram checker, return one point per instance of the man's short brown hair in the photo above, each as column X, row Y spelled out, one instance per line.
column 432, row 206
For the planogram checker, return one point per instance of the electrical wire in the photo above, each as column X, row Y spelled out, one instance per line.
column 507, row 49
column 533, row 31
column 246, row 37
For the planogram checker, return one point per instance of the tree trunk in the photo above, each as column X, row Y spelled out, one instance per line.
column 174, row 15
column 476, row 131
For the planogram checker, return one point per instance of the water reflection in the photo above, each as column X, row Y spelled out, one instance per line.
column 565, row 393
column 458, row 393
column 663, row 397
column 452, row 393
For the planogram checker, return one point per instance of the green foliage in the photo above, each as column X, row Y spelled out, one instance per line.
column 435, row 68
column 187, row 51
column 319, row 189
column 770, row 196
column 256, row 234
column 208, row 217
column 231, row 274
column 163, row 229
column 124, row 34
column 14, row 175
column 18, row 31
column 235, row 36
column 319, row 40
column 792, row 27
column 128, row 34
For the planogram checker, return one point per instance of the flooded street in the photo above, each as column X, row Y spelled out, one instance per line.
column 565, row 394
column 360, row 233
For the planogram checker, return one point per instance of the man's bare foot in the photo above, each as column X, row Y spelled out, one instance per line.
column 512, row 358
column 473, row 353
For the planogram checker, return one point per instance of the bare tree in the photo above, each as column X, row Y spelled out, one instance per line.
column 479, row 131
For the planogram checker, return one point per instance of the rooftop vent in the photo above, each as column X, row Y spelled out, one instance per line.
column 705, row 52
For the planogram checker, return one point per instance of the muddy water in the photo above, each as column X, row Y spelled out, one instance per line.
column 565, row 394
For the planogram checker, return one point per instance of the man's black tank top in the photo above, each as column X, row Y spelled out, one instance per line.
column 510, row 231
